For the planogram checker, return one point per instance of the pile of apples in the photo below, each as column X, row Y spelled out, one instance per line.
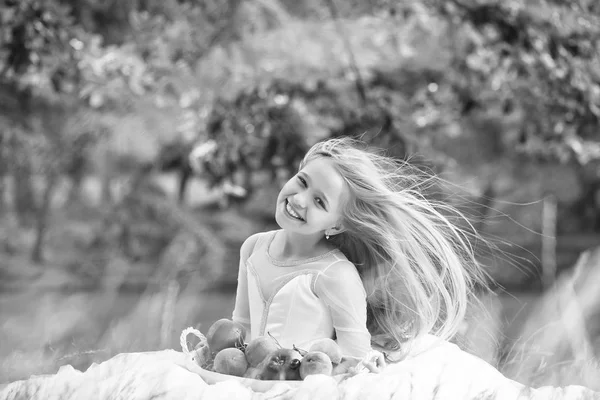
column 225, row 351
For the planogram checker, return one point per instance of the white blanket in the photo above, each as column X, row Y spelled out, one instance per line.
column 435, row 370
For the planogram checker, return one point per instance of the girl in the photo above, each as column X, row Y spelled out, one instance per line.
column 361, row 257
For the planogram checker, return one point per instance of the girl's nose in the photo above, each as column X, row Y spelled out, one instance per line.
column 299, row 200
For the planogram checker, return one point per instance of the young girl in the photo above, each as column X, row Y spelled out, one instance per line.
column 361, row 257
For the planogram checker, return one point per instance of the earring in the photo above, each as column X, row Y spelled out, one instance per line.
column 327, row 236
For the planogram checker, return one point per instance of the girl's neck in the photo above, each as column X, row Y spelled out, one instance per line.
column 292, row 246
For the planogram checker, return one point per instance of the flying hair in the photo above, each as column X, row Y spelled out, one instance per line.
column 417, row 265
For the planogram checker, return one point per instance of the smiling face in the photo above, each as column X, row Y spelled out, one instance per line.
column 311, row 202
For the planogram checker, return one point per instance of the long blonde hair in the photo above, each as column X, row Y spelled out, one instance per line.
column 418, row 267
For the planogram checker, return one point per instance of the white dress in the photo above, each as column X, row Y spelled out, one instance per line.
column 300, row 301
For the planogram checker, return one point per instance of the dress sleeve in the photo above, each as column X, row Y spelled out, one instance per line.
column 341, row 288
column 241, row 311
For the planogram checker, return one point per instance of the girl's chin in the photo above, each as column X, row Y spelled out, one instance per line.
column 282, row 220
column 286, row 222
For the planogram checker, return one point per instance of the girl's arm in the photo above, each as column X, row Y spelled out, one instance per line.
column 241, row 311
column 341, row 288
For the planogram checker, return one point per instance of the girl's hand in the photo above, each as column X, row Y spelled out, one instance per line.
column 373, row 362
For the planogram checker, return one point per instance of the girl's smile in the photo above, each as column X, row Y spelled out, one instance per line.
column 291, row 212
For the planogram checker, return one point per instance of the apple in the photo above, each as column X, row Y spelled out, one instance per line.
column 315, row 362
column 225, row 333
column 230, row 361
column 259, row 348
column 201, row 354
column 281, row 365
column 252, row 372
column 329, row 347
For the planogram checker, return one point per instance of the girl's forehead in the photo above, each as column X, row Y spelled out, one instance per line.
column 325, row 177
column 322, row 167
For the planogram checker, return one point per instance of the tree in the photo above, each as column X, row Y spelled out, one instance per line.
column 38, row 68
column 539, row 58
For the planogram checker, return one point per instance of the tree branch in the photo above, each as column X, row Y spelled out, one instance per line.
column 358, row 80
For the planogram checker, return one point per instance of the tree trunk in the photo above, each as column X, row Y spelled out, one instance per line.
column 484, row 205
column 548, row 256
column 3, row 169
column 24, row 203
column 353, row 65
column 37, row 253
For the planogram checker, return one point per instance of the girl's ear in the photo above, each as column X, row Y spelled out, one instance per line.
column 336, row 230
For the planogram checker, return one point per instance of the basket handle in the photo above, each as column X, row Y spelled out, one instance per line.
column 183, row 338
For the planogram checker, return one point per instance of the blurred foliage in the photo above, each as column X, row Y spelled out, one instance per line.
column 264, row 80
column 35, row 35
column 540, row 58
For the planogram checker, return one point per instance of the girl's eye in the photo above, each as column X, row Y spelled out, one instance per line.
column 302, row 181
column 320, row 202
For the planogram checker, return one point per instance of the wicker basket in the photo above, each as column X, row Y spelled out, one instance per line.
column 197, row 357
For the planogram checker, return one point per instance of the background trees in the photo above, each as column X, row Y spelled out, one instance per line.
column 135, row 85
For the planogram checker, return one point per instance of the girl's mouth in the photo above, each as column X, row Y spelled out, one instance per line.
column 291, row 212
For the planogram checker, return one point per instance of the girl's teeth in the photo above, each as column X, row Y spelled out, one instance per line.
column 291, row 211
